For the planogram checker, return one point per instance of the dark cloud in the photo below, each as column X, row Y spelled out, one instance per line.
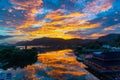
column 5, row 37
column 109, row 19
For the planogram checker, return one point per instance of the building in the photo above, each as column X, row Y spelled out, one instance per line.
column 107, row 63
column 106, row 46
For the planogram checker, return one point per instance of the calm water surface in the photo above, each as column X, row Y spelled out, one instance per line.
column 55, row 65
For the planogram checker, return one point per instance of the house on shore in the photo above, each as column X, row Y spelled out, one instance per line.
column 105, row 63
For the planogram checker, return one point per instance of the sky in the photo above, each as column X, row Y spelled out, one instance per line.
column 85, row 19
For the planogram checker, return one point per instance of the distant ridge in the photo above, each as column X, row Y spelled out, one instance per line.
column 4, row 37
column 48, row 41
column 108, row 38
column 6, row 44
column 58, row 41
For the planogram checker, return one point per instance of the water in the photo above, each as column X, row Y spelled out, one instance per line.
column 55, row 65
column 30, row 47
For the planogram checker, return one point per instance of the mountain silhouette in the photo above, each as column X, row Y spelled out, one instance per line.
column 45, row 41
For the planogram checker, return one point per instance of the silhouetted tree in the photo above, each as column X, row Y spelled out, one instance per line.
column 117, row 41
column 17, row 57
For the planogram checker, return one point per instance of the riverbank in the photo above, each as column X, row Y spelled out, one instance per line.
column 55, row 65
column 15, row 57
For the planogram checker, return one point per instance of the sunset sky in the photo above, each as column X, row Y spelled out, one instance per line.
column 29, row 19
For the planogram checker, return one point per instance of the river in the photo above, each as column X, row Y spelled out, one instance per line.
column 54, row 65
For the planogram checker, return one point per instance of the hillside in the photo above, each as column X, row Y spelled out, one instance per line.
column 71, row 42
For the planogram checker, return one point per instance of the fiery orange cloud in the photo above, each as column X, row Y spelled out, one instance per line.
column 59, row 15
column 28, row 3
column 96, row 35
column 30, row 7
column 57, row 28
column 106, row 6
column 28, row 23
column 109, row 28
column 94, row 8
column 59, row 32
column 112, row 27
column 72, row 19
column 60, row 25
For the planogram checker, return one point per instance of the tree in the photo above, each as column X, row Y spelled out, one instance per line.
column 93, row 45
column 117, row 42
column 16, row 57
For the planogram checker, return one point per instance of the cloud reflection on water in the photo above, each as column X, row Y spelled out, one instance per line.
column 55, row 65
